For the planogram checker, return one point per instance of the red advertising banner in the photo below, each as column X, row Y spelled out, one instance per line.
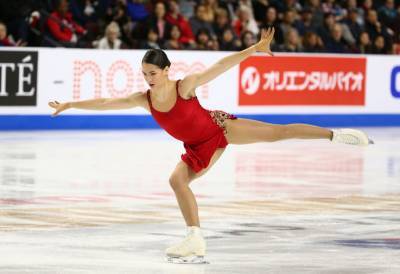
column 302, row 81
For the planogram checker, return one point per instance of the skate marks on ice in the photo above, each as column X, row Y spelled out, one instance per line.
column 86, row 213
column 302, row 243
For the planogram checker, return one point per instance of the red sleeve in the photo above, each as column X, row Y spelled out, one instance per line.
column 77, row 28
column 6, row 42
column 170, row 19
column 63, row 35
column 187, row 33
column 237, row 27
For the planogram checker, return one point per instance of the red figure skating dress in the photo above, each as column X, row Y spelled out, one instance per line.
column 201, row 131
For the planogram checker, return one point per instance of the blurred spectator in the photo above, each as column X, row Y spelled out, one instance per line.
column 88, row 13
column 245, row 21
column 151, row 41
column 364, row 43
column 365, row 7
column 248, row 4
column 175, row 18
column 158, row 21
column 331, row 6
column 137, row 10
column 110, row 39
column 260, row 9
column 173, row 41
column 396, row 48
column 375, row 28
column 325, row 29
column 312, row 43
column 211, row 7
column 204, row 41
column 396, row 27
column 318, row 15
column 335, row 42
column 62, row 26
column 352, row 23
column 228, row 41
column 292, row 42
column 187, row 8
column 199, row 21
column 352, row 7
column 292, row 5
column 221, row 22
column 387, row 13
column 247, row 39
column 7, row 41
column 117, row 12
column 347, row 35
column 4, row 40
column 289, row 21
column 379, row 46
column 305, row 24
column 14, row 14
column 271, row 20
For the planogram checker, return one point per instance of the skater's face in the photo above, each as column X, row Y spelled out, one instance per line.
column 154, row 75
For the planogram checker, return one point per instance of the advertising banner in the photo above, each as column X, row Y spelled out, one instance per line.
column 300, row 80
column 18, row 78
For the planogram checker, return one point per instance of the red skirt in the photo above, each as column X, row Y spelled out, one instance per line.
column 198, row 156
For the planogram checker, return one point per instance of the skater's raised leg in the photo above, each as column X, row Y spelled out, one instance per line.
column 246, row 131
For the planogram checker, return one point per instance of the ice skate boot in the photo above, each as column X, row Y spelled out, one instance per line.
column 190, row 251
column 351, row 137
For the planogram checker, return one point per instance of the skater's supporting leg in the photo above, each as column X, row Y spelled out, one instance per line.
column 193, row 248
column 179, row 181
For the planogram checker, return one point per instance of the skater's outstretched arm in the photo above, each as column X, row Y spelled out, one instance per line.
column 130, row 101
column 198, row 79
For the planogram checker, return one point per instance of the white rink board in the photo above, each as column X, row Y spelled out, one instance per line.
column 79, row 74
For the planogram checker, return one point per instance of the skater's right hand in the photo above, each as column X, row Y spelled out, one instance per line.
column 58, row 106
column 266, row 38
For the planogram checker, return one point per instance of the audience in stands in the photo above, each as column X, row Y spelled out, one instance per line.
column 111, row 38
column 6, row 40
column 62, row 27
column 329, row 26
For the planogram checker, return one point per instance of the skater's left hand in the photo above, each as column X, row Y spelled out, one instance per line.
column 264, row 44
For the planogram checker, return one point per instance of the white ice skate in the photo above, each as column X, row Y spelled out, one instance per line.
column 351, row 137
column 190, row 251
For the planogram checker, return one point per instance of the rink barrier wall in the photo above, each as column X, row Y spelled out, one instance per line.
column 326, row 90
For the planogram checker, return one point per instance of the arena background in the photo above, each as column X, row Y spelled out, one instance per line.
column 88, row 191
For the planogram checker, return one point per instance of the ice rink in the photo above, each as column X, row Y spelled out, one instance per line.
column 100, row 202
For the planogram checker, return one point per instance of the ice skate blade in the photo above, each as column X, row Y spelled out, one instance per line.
column 371, row 142
column 186, row 260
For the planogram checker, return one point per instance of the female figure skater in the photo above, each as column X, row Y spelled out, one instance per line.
column 205, row 134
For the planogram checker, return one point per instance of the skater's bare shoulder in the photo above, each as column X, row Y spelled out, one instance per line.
column 138, row 99
column 187, row 87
